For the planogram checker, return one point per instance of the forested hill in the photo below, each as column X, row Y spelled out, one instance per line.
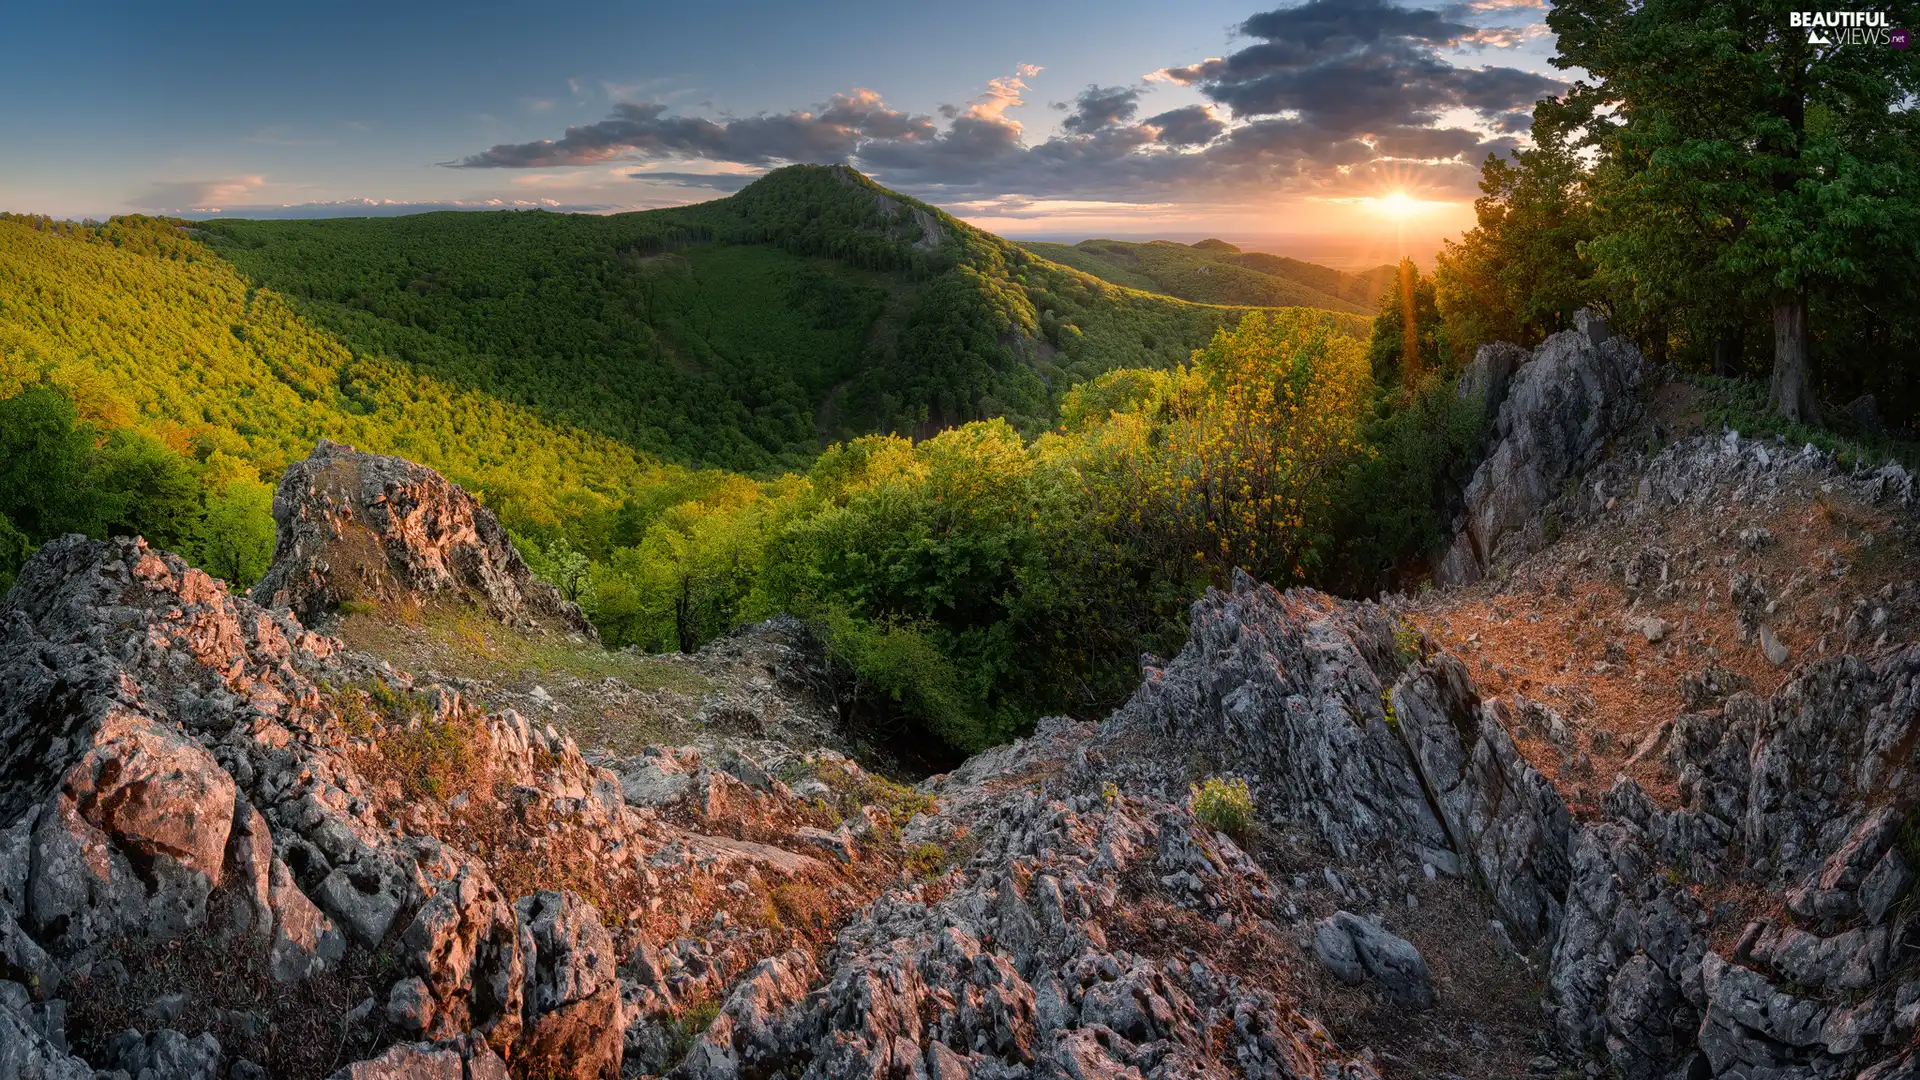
column 1216, row 272
column 745, row 333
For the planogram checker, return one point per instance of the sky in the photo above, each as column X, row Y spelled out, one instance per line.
column 1309, row 128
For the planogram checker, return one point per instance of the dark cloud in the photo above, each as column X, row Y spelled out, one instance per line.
column 1329, row 96
column 645, row 130
column 1514, row 122
column 716, row 181
column 1357, row 67
column 1100, row 107
column 1189, row 126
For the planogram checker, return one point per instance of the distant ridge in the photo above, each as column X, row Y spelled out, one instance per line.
column 1213, row 271
column 811, row 306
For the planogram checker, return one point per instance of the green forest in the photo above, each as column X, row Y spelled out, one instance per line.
column 990, row 475
column 743, row 333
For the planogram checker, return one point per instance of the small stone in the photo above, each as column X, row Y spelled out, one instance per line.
column 1776, row 653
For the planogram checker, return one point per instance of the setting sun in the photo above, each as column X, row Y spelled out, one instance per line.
column 1397, row 205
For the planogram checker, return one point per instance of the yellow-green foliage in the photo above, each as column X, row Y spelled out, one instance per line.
column 144, row 326
column 428, row 756
column 1225, row 805
column 927, row 860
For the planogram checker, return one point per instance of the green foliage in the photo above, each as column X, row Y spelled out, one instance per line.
column 45, row 456
column 61, row 474
column 14, row 550
column 1387, row 348
column 141, row 326
column 1518, row 275
column 1742, row 171
column 927, row 860
column 735, row 333
column 1741, row 404
column 1225, row 805
column 1394, row 511
column 235, row 537
column 967, row 582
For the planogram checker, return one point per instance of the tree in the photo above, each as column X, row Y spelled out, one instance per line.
column 1518, row 275
column 234, row 539
column 147, row 490
column 1408, row 325
column 1736, row 155
column 14, row 549
column 45, row 454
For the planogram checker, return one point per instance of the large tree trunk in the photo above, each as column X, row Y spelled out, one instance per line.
column 1792, row 392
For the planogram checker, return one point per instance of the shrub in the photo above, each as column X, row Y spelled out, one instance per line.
column 927, row 860
column 1225, row 805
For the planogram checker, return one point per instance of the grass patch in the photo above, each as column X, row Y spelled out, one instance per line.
column 428, row 756
column 468, row 644
column 1741, row 404
column 803, row 906
column 1225, row 805
column 927, row 860
column 688, row 1027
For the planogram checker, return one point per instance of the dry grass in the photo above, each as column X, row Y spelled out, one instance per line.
column 299, row 1035
column 1541, row 633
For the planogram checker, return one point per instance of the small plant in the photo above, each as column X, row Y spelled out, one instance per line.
column 1408, row 643
column 1225, row 805
column 689, row 1025
column 927, row 860
column 1386, row 707
column 1109, row 794
column 358, row 607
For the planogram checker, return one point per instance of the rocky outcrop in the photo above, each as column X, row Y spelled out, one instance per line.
column 1802, row 798
column 354, row 526
column 1032, row 958
column 180, row 764
column 1292, row 688
column 1561, row 406
column 188, row 776
column 1329, row 712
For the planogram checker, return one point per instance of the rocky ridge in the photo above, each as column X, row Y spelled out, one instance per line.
column 230, row 845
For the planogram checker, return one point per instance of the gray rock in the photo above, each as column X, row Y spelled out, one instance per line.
column 166, row 1055
column 1497, row 809
column 1486, row 380
column 359, row 526
column 1562, row 406
column 1776, row 653
column 1355, row 949
column 1288, row 687
column 574, row 1019
column 408, row 1061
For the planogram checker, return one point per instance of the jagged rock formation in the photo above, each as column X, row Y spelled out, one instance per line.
column 1559, row 408
column 354, row 526
column 230, row 845
column 1295, row 689
column 1804, row 797
column 233, row 846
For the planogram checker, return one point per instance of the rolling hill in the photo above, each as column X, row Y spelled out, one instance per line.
column 1216, row 272
column 744, row 333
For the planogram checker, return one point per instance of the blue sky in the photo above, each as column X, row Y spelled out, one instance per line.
column 987, row 110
